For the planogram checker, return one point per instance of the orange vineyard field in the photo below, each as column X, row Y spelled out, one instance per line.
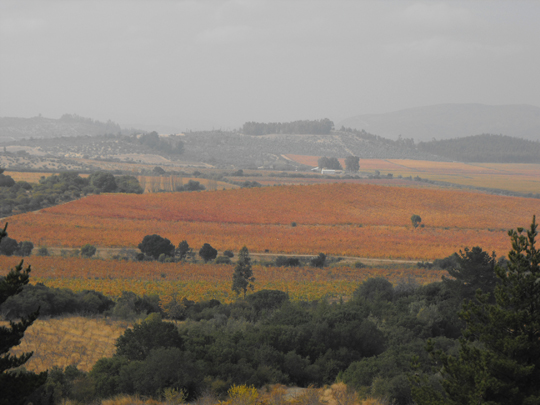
column 200, row 282
column 522, row 178
column 337, row 219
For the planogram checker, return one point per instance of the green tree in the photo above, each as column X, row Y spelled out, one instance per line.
column 499, row 356
column 475, row 270
column 415, row 219
column 191, row 185
column 329, row 163
column 103, row 181
column 8, row 246
column 155, row 245
column 25, row 248
column 158, row 170
column 207, row 252
column 5, row 181
column 243, row 274
column 15, row 386
column 152, row 333
column 183, row 249
column 352, row 163
column 128, row 184
column 318, row 261
column 88, row 251
column 375, row 288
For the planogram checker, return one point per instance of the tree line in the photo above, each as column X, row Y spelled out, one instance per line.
column 351, row 163
column 315, row 127
column 21, row 196
column 485, row 148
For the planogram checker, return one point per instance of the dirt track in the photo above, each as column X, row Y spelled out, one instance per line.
column 109, row 253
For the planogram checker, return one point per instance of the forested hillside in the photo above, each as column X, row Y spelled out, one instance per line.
column 319, row 127
column 68, row 125
column 447, row 121
column 485, row 148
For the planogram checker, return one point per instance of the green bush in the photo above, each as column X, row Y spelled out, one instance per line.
column 222, row 260
column 88, row 251
column 43, row 251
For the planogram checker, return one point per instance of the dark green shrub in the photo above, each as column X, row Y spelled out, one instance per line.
column 25, row 248
column 318, row 261
column 88, row 251
column 155, row 245
column 152, row 333
column 207, row 253
column 283, row 261
column 375, row 288
column 222, row 260
column 43, row 251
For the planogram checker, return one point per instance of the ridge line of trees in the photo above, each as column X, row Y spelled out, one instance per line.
column 316, row 127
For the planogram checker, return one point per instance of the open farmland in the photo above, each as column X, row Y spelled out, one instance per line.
column 153, row 184
column 521, row 178
column 204, row 281
column 69, row 341
column 337, row 219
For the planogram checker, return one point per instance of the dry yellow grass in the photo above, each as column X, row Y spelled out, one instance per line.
column 153, row 184
column 68, row 341
column 31, row 177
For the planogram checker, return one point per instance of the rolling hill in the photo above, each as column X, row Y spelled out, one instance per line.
column 69, row 125
column 485, row 148
column 444, row 121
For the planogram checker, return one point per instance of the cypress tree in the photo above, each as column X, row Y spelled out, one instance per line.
column 243, row 274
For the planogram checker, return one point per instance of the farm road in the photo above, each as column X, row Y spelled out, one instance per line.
column 109, row 253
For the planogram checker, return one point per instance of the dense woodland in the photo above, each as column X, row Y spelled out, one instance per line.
column 316, row 127
column 485, row 148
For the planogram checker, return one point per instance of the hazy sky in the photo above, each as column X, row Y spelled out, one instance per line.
column 204, row 64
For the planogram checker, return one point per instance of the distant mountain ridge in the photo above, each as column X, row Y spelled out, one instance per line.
column 68, row 125
column 445, row 121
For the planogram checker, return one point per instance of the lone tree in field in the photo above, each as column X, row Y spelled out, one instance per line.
column 352, row 163
column 207, row 253
column 88, row 251
column 15, row 387
column 182, row 250
column 415, row 219
column 243, row 274
column 499, row 356
column 155, row 245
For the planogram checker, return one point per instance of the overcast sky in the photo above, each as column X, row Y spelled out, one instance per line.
column 204, row 64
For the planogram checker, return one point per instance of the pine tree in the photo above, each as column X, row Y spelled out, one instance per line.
column 15, row 386
column 243, row 274
column 499, row 357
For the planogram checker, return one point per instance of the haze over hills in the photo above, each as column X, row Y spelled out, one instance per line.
column 445, row 121
column 485, row 148
column 69, row 125
column 260, row 144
